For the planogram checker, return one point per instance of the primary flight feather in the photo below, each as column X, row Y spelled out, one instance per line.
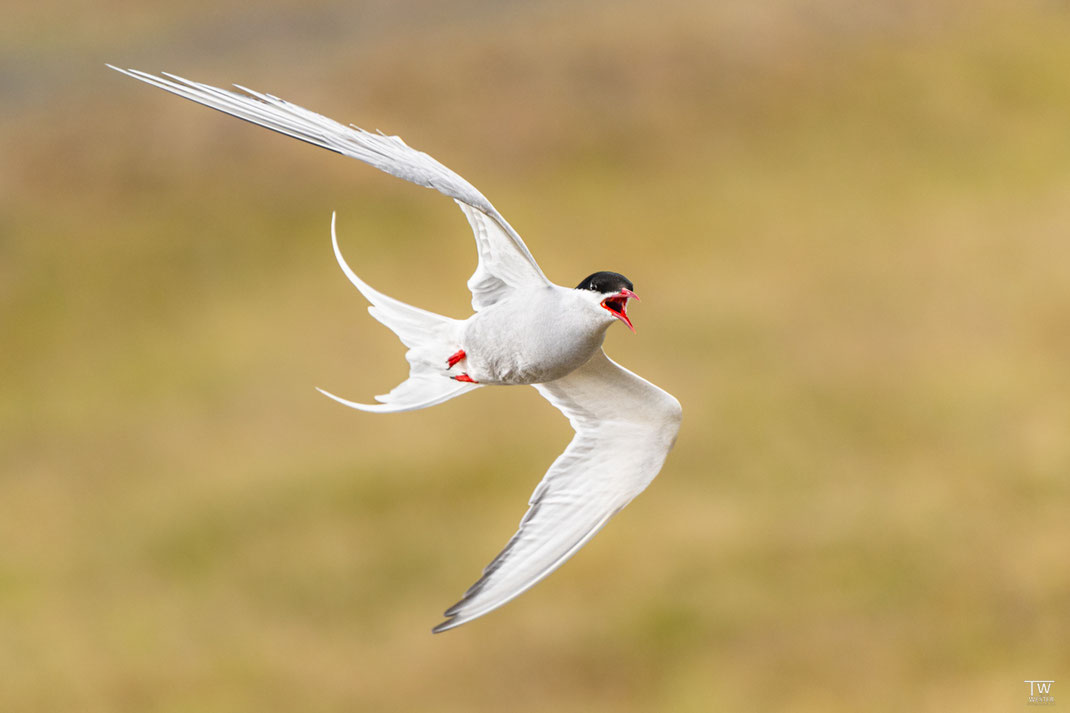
column 525, row 330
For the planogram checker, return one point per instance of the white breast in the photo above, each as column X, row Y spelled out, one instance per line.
column 532, row 337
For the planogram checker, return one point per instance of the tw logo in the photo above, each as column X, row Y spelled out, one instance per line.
column 1040, row 692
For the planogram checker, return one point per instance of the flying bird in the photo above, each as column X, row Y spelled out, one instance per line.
column 524, row 330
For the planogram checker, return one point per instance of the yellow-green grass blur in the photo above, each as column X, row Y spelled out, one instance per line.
column 850, row 227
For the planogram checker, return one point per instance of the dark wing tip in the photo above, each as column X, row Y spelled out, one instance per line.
column 454, row 612
column 446, row 625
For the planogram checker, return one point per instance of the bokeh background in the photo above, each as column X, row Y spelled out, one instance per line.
column 849, row 225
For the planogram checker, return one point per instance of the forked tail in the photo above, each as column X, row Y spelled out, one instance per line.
column 430, row 337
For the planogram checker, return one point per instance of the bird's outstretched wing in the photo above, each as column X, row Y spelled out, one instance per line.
column 505, row 263
column 624, row 427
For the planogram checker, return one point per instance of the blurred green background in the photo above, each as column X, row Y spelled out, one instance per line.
column 849, row 226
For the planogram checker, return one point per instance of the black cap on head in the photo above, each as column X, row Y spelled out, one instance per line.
column 605, row 282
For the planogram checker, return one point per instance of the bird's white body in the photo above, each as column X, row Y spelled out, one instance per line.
column 525, row 330
column 534, row 337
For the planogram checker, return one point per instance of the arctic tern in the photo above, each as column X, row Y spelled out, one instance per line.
column 524, row 330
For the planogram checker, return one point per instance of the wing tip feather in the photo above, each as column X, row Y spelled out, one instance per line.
column 446, row 626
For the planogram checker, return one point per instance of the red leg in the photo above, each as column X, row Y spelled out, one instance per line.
column 455, row 358
column 465, row 378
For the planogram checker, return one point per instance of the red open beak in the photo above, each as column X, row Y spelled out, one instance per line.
column 618, row 305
